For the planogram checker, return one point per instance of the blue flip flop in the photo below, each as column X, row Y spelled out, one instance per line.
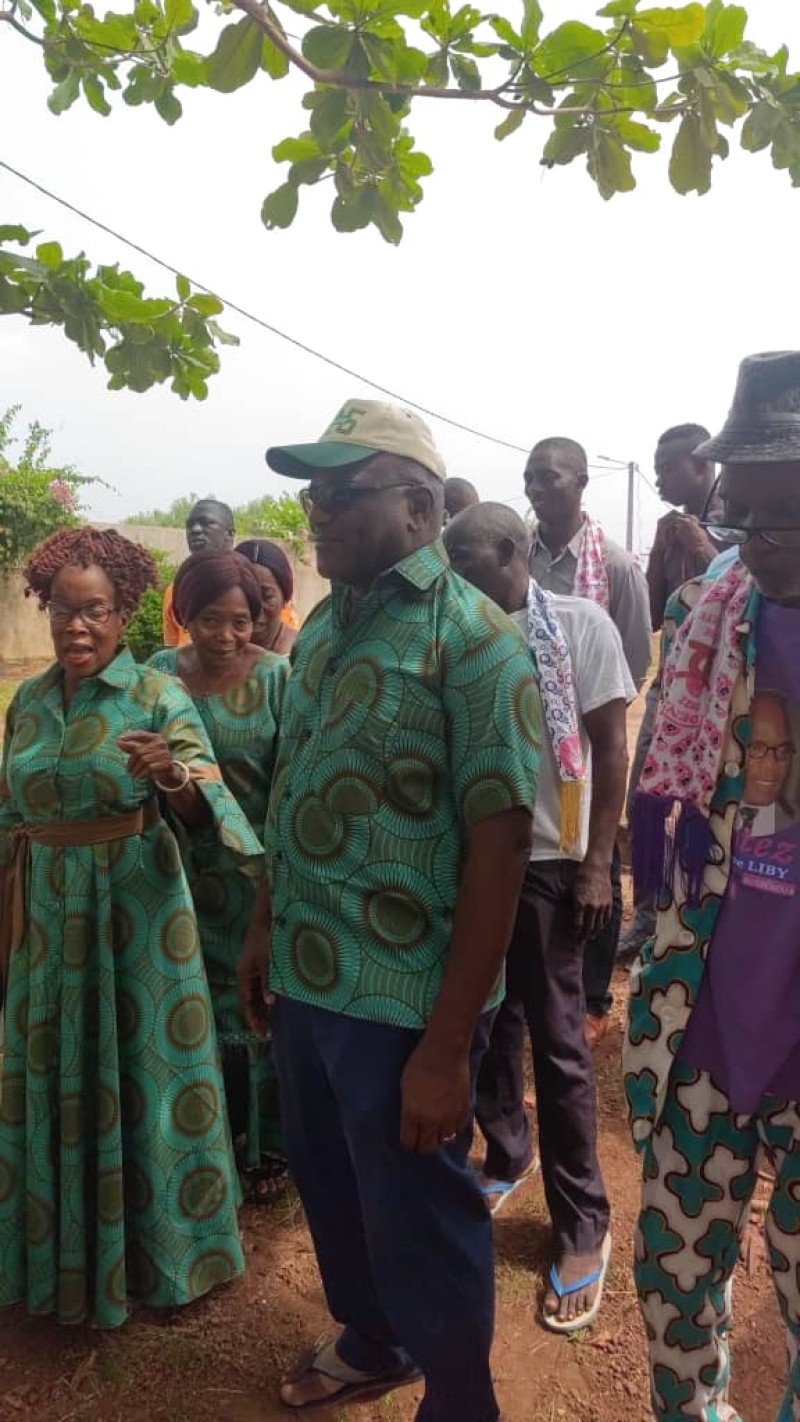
column 497, row 1192
column 574, row 1325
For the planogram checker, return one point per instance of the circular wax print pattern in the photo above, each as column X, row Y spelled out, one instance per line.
column 528, row 709
column 238, row 776
column 130, row 925
column 84, row 736
column 323, row 959
column 178, row 937
column 72, row 1303
column 12, row 1099
column 78, row 941
column 136, row 1013
column 183, row 1023
column 107, row 1105
column 42, row 1048
column 8, row 1186
column 72, row 1118
column 140, row 1101
column 210, row 894
column 38, row 1220
column 197, row 1197
column 144, row 1277
column 139, row 1194
column 110, row 1197
column 327, row 845
column 215, row 1266
column 192, row 1111
column 38, row 944
column 26, row 732
column 384, row 1007
column 313, row 671
column 116, row 1284
column 488, row 794
column 360, row 691
column 245, row 700
column 167, row 854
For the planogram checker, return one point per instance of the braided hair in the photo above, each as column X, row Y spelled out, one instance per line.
column 127, row 565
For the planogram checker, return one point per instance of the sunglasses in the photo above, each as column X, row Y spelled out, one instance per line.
column 776, row 535
column 338, row 498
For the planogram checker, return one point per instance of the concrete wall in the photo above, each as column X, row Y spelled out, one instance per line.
column 25, row 633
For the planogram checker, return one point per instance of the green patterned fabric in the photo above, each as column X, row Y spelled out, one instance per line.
column 242, row 726
column 116, row 1174
column 408, row 718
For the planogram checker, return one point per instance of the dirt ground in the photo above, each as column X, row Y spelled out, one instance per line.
column 222, row 1358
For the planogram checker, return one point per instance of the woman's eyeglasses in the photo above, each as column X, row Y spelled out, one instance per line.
column 93, row 614
column 338, row 498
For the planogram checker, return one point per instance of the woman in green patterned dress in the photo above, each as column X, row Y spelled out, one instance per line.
column 237, row 689
column 116, row 1175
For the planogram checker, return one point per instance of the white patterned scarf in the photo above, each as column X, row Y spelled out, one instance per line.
column 557, row 687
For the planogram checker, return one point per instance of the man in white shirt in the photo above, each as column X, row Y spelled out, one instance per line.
column 566, row 898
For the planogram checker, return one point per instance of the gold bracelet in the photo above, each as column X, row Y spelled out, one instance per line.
column 176, row 789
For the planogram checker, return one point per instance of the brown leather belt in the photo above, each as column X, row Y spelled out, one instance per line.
column 59, row 834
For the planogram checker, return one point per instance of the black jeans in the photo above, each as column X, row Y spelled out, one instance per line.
column 545, row 988
column 601, row 951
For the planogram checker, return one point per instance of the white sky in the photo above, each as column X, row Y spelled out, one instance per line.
column 518, row 300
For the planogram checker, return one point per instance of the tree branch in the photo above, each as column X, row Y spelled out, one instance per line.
column 338, row 78
column 8, row 17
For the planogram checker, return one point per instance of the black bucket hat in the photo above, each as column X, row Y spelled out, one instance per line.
column 763, row 424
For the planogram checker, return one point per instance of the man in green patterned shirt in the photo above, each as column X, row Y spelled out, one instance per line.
column 397, row 838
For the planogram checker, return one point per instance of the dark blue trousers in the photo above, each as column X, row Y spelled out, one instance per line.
column 403, row 1241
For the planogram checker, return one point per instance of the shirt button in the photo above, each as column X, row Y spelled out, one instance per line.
column 685, row 938
column 731, row 768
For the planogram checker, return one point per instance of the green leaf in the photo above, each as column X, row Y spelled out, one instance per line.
column 296, row 150
column 184, row 287
column 690, row 163
column 571, row 44
column 505, row 31
column 329, row 118
column 273, row 60
column 386, row 219
column 610, row 166
column 682, row 25
column 566, row 142
column 16, row 234
column 353, row 213
column 531, row 22
column 512, row 121
column 65, row 93
column 205, row 304
column 180, row 16
column 636, row 135
column 328, row 46
column 465, row 72
column 95, row 95
column 310, row 171
column 758, row 129
column 168, row 107
column 437, row 75
column 280, row 207
column 725, row 30
column 236, row 59
column 50, row 254
column 190, row 69
column 225, row 338
column 652, row 46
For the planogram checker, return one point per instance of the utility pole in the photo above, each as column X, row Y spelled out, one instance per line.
column 632, row 472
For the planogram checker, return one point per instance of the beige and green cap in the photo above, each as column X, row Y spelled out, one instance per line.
column 361, row 428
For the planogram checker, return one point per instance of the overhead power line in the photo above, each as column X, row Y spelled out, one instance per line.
column 259, row 320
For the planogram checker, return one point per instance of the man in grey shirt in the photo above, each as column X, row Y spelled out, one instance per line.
column 556, row 476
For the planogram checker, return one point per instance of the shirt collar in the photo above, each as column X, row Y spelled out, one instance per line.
column 573, row 547
column 119, row 673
